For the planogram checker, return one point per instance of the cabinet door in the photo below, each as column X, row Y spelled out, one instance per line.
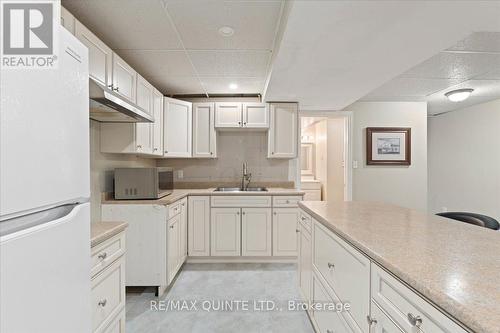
column 282, row 137
column 285, row 231
column 199, row 226
column 225, row 232
column 144, row 94
column 67, row 20
column 255, row 115
column 204, row 135
column 173, row 246
column 177, row 119
column 100, row 55
column 305, row 262
column 158, row 124
column 183, row 232
column 124, row 78
column 256, row 231
column 228, row 114
column 383, row 323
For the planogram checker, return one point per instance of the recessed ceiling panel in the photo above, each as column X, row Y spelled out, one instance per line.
column 177, row 85
column 404, row 86
column 479, row 42
column 158, row 62
column 231, row 63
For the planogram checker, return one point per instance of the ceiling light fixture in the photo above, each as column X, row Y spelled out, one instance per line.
column 226, row 31
column 233, row 86
column 459, row 94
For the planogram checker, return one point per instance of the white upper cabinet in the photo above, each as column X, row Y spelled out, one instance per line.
column 124, row 78
column 283, row 130
column 228, row 115
column 177, row 119
column 67, row 20
column 100, row 55
column 255, row 115
column 144, row 94
column 158, row 124
column 204, row 135
column 144, row 134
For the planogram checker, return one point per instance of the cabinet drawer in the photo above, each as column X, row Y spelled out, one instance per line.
column 105, row 253
column 118, row 324
column 326, row 321
column 286, row 201
column 174, row 209
column 401, row 304
column 240, row 201
column 305, row 220
column 108, row 295
column 383, row 323
column 346, row 271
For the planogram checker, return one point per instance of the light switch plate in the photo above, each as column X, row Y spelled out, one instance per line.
column 180, row 174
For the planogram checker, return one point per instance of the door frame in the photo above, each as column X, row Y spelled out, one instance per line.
column 348, row 142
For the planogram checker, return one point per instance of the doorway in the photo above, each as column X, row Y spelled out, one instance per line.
column 324, row 155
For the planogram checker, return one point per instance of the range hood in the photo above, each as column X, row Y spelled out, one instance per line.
column 109, row 107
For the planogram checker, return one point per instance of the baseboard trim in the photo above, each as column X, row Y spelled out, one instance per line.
column 246, row 260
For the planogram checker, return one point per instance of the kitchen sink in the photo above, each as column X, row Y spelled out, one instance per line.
column 239, row 189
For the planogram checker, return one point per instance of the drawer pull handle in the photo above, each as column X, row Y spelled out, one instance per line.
column 414, row 320
column 102, row 256
column 371, row 321
column 330, row 265
column 102, row 303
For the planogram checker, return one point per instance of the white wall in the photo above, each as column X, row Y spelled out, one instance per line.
column 464, row 160
column 321, row 156
column 101, row 169
column 401, row 185
column 335, row 184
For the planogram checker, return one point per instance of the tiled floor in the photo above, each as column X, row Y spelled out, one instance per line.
column 209, row 284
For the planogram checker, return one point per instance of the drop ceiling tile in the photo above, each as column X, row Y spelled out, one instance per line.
column 444, row 105
column 126, row 25
column 158, row 62
column 492, row 75
column 245, row 85
column 446, row 65
column 254, row 23
column 231, row 63
column 418, row 87
column 479, row 42
column 174, row 85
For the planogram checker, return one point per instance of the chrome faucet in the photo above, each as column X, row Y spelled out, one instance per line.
column 245, row 179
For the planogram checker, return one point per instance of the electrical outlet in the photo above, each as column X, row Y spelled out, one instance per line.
column 354, row 164
column 180, row 174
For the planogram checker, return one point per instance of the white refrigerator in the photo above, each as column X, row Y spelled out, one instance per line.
column 44, row 196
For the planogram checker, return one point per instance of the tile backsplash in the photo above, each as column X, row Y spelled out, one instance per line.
column 233, row 148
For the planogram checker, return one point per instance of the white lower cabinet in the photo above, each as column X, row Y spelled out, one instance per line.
column 118, row 324
column 256, row 231
column 285, row 231
column 225, row 231
column 199, row 226
column 305, row 261
column 381, row 322
column 173, row 244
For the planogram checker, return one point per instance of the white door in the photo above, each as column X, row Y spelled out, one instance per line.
column 305, row 262
column 144, row 94
column 225, row 232
column 143, row 131
column 44, row 133
column 199, row 226
column 256, row 231
column 228, row 114
column 255, row 115
column 100, row 55
column 285, row 231
column 283, row 130
column 177, row 119
column 158, row 124
column 204, row 135
column 173, row 232
column 124, row 78
column 47, row 265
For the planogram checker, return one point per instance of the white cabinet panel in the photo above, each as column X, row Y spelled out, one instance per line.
column 177, row 128
column 305, row 262
column 124, row 78
column 67, row 20
column 285, row 231
column 241, row 201
column 199, row 225
column 144, row 94
column 183, row 232
column 204, row 135
column 255, row 115
column 256, row 231
column 173, row 245
column 225, row 232
column 100, row 55
column 228, row 114
column 144, row 98
column 283, row 130
column 158, row 124
column 383, row 323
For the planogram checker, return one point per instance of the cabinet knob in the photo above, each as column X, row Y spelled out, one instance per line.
column 116, row 89
column 166, row 151
column 237, row 213
column 245, row 123
column 272, row 153
column 211, row 153
column 102, row 302
column 139, row 146
column 330, row 265
column 303, row 218
column 329, row 331
column 274, row 213
column 239, row 122
column 414, row 320
column 102, row 256
column 371, row 321
column 110, row 86
column 155, row 149
column 297, row 230
column 171, row 227
column 288, row 201
column 242, row 213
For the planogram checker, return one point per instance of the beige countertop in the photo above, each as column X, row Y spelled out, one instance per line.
column 454, row 265
column 100, row 231
column 182, row 193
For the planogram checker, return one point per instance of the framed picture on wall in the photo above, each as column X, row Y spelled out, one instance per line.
column 388, row 146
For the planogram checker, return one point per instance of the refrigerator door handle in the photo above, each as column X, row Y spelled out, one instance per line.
column 17, row 224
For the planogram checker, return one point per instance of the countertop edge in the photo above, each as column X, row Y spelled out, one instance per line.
column 451, row 309
column 110, row 229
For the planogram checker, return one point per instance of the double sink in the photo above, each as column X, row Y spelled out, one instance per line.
column 239, row 189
